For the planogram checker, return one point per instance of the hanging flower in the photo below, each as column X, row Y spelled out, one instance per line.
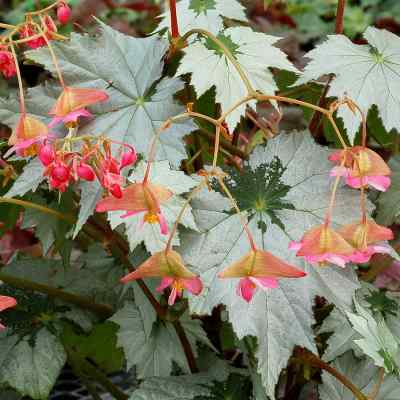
column 6, row 302
column 71, row 105
column 365, row 237
column 140, row 198
column 7, row 64
column 26, row 136
column 259, row 269
column 170, row 267
column 322, row 244
column 361, row 167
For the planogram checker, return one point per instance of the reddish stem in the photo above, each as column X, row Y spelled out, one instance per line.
column 174, row 19
column 340, row 17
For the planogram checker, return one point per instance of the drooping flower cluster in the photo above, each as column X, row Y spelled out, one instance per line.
column 63, row 166
column 358, row 241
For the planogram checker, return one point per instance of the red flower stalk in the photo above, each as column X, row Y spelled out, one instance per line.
column 6, row 302
column 322, row 244
column 365, row 236
column 71, row 105
column 140, row 198
column 259, row 269
column 170, row 267
column 362, row 167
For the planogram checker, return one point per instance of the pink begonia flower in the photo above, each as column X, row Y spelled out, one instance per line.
column 6, row 302
column 170, row 267
column 140, row 198
column 71, row 105
column 365, row 237
column 389, row 278
column 322, row 244
column 362, row 167
column 27, row 134
column 259, row 269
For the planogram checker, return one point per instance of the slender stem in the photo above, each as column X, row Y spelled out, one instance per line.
column 91, row 388
column 28, row 204
column 20, row 85
column 328, row 215
column 33, row 37
column 6, row 26
column 362, row 205
column 337, row 131
column 43, row 10
column 187, row 348
column 152, row 151
column 237, row 209
column 102, row 310
column 316, row 118
column 340, row 17
column 181, row 212
column 91, row 370
column 306, row 357
column 51, row 50
column 264, row 97
column 174, row 19
column 216, row 145
column 377, row 387
column 227, row 53
column 234, row 107
column 230, row 148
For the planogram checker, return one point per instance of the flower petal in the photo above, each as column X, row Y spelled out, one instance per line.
column 165, row 282
column 246, row 289
column 193, row 285
column 265, row 283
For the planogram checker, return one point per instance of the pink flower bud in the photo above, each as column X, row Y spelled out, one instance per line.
column 63, row 13
column 128, row 158
column 61, row 173
column 46, row 154
column 116, row 191
column 86, row 172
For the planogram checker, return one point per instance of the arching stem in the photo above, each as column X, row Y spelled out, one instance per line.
column 237, row 209
column 19, row 78
column 174, row 19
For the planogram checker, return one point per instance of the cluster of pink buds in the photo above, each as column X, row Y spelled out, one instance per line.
column 43, row 32
column 7, row 63
column 30, row 30
column 63, row 167
column 358, row 241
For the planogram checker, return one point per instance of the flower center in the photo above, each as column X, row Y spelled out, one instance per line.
column 151, row 218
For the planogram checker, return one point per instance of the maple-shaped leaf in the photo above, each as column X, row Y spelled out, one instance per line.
column 377, row 341
column 129, row 70
column 255, row 52
column 363, row 374
column 286, row 191
column 204, row 14
column 342, row 335
column 153, row 355
column 368, row 74
column 31, row 365
column 175, row 181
